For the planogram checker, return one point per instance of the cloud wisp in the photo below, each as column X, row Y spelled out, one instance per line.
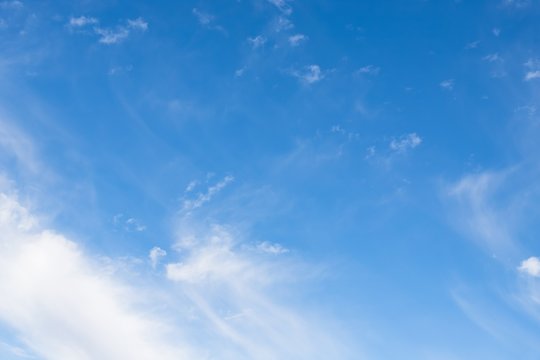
column 108, row 35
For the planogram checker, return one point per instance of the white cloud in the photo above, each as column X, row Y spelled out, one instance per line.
column 257, row 41
column 282, row 5
column 405, row 142
column 112, row 36
column 482, row 220
column 531, row 75
column 369, row 69
column 191, row 186
column 203, row 198
column 447, row 84
column 138, row 24
column 496, row 31
column 133, row 224
column 492, row 57
column 472, row 45
column 155, row 255
column 63, row 306
column 234, row 287
column 239, row 72
column 272, row 248
column 81, row 21
column 297, row 39
column 530, row 266
column 310, row 75
column 202, row 17
column 282, row 23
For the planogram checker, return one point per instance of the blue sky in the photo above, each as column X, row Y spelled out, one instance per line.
column 269, row 179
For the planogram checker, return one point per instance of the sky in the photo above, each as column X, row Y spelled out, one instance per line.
column 269, row 179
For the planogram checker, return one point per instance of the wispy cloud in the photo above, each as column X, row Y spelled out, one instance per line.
column 492, row 57
column 447, row 84
column 203, row 17
column 11, row 5
column 257, row 41
column 202, row 198
column 109, row 35
column 405, row 142
column 207, row 20
column 282, row 5
column 472, row 45
column 155, row 255
column 478, row 216
column 310, row 75
column 81, row 21
column 297, row 39
column 369, row 70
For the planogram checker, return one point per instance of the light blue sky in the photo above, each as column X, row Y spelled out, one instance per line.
column 269, row 179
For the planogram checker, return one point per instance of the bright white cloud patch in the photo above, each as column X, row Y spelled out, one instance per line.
column 530, row 266
column 63, row 305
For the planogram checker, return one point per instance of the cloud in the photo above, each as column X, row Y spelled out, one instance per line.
column 138, row 24
column 479, row 216
column 155, row 255
column 130, row 224
column 369, row 70
column 530, row 266
column 405, row 142
column 63, row 305
column 496, row 31
column 282, row 23
column 234, row 286
column 297, row 39
column 447, row 84
column 492, row 57
column 272, row 248
column 472, row 45
column 203, row 198
column 310, row 75
column 109, row 36
column 531, row 75
column 202, row 17
column 516, row 3
column 81, row 21
column 11, row 5
column 282, row 5
column 257, row 41
column 19, row 146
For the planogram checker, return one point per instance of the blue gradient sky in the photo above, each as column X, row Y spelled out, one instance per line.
column 269, row 179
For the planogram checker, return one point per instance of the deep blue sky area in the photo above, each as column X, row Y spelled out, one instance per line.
column 269, row 179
